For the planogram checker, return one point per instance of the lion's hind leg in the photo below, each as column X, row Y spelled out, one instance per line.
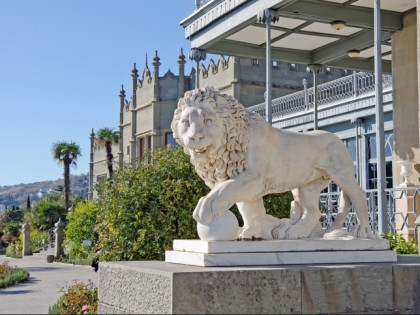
column 306, row 199
column 257, row 223
column 351, row 190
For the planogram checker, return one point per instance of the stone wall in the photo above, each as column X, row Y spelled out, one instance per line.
column 157, row 287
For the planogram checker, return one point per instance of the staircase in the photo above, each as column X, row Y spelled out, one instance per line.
column 42, row 253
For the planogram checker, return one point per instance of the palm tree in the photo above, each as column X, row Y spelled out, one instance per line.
column 66, row 153
column 106, row 137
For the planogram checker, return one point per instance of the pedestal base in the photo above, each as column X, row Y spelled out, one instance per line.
column 279, row 252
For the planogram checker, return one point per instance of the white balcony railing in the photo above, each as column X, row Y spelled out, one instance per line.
column 403, row 208
column 340, row 89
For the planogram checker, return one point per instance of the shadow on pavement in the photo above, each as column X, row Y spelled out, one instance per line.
column 15, row 292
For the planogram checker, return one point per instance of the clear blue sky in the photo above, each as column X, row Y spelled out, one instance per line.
column 62, row 63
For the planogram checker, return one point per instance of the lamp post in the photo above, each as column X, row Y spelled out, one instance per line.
column 379, row 114
column 315, row 68
column 268, row 16
column 197, row 55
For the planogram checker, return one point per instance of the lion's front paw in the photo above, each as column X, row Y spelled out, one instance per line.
column 253, row 234
column 202, row 212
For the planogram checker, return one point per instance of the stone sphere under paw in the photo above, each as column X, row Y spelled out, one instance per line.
column 223, row 228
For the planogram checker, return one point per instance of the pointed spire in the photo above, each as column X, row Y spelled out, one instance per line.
column 145, row 63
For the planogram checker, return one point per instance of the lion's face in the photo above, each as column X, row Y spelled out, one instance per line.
column 201, row 132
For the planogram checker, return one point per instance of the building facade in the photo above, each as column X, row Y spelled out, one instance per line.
column 146, row 115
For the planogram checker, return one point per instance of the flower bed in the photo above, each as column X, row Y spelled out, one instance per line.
column 11, row 275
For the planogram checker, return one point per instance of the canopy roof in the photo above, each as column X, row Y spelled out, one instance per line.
column 304, row 33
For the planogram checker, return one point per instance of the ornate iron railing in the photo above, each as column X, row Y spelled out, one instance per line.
column 347, row 87
column 403, row 208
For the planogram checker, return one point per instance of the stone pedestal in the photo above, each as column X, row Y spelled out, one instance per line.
column 406, row 202
column 279, row 252
column 147, row 287
column 26, row 234
column 59, row 237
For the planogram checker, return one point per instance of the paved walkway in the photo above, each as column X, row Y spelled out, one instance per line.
column 41, row 291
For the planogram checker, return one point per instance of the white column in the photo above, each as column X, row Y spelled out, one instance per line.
column 268, row 16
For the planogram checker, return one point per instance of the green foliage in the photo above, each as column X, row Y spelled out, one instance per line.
column 36, row 238
column 81, row 226
column 398, row 243
column 66, row 154
column 278, row 205
column 10, row 224
column 10, row 276
column 79, row 298
column 45, row 213
column 105, row 135
column 15, row 214
column 13, row 228
column 14, row 250
column 55, row 309
column 143, row 208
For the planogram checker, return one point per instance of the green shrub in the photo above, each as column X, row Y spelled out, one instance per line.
column 398, row 243
column 79, row 298
column 10, row 276
column 46, row 213
column 55, row 309
column 143, row 208
column 14, row 250
column 13, row 228
column 37, row 236
column 278, row 205
column 81, row 226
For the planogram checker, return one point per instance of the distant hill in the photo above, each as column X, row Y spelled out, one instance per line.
column 16, row 195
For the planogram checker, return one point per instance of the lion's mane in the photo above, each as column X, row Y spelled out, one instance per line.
column 231, row 158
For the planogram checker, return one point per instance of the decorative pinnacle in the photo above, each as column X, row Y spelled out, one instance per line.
column 181, row 57
column 92, row 134
column 156, row 62
column 122, row 92
column 134, row 72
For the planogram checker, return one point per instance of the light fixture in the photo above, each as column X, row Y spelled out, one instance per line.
column 338, row 25
column 353, row 53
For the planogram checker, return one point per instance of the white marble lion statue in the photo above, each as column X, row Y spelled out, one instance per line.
column 242, row 158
